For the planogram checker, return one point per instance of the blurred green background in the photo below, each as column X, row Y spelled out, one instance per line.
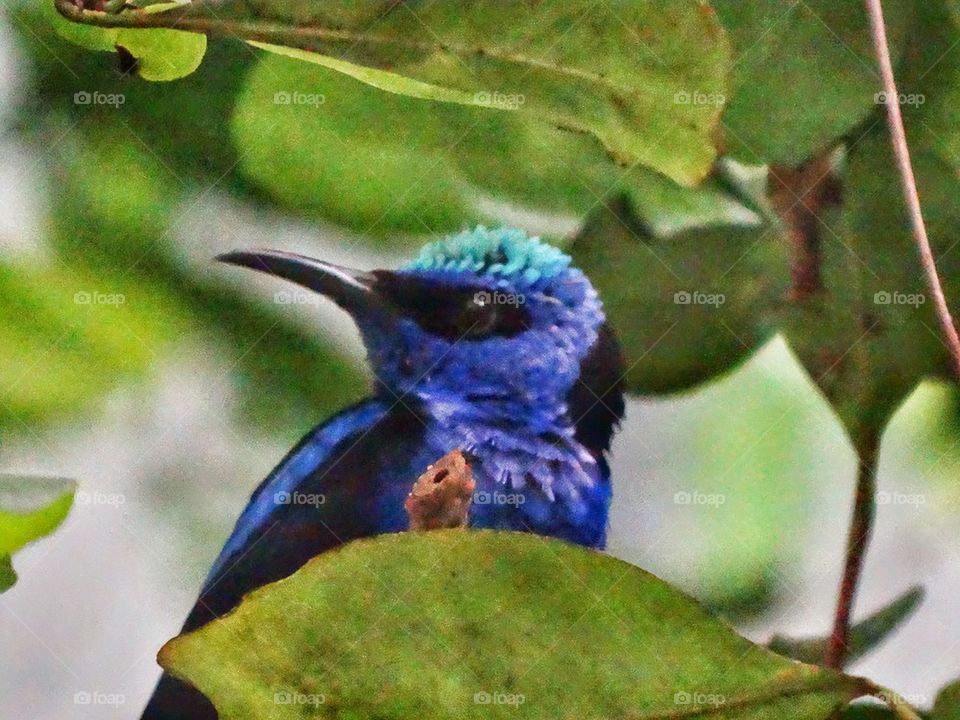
column 169, row 386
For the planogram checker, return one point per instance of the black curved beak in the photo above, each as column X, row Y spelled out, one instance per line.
column 353, row 290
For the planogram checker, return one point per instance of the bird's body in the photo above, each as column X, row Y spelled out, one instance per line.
column 491, row 345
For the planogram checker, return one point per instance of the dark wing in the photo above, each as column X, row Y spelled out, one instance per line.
column 346, row 479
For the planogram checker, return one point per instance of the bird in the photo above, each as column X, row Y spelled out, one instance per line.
column 489, row 342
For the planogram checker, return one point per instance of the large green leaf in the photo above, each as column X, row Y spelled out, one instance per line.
column 369, row 160
column 872, row 335
column 629, row 74
column 30, row 507
column 687, row 305
column 804, row 73
column 435, row 170
column 486, row 624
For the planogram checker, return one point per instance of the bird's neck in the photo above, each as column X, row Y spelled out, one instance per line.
column 505, row 410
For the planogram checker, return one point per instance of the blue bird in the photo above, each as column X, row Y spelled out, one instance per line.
column 489, row 342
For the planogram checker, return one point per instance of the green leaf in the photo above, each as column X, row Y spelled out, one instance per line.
column 947, row 705
column 30, row 507
column 8, row 576
column 804, row 75
column 864, row 636
column 162, row 54
column 630, row 75
column 461, row 624
column 380, row 79
column 686, row 305
column 346, row 157
column 872, row 335
column 437, row 169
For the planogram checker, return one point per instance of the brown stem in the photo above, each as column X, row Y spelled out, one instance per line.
column 861, row 525
column 798, row 195
column 898, row 137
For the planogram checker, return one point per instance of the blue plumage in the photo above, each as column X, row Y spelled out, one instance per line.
column 488, row 342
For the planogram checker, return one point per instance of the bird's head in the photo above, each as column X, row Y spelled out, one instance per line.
column 487, row 321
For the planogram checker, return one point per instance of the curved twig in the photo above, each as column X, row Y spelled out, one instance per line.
column 899, row 138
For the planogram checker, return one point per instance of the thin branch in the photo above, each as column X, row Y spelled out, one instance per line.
column 861, row 526
column 899, row 138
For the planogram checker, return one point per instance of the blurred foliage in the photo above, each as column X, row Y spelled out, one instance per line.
column 864, row 636
column 117, row 292
column 30, row 507
column 947, row 705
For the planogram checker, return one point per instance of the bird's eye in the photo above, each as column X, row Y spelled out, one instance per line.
column 453, row 312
